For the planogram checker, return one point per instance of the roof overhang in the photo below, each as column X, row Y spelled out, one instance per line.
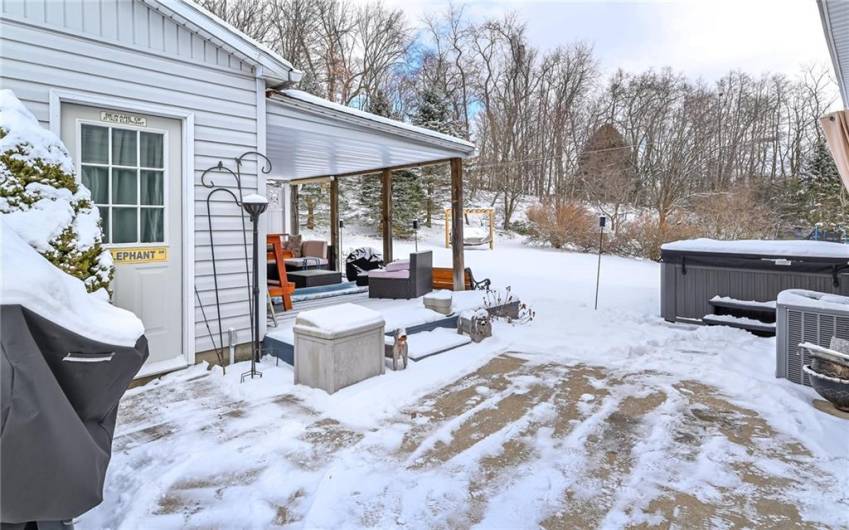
column 311, row 137
column 834, row 15
column 270, row 66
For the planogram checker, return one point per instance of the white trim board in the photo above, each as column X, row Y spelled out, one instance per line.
column 187, row 118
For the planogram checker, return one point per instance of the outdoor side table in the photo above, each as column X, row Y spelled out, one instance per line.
column 338, row 346
column 314, row 277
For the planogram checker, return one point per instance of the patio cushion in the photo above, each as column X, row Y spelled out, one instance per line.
column 400, row 275
column 316, row 248
column 398, row 265
column 293, row 244
column 301, row 262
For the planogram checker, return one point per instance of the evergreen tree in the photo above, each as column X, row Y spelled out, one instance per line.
column 434, row 113
column 43, row 200
column 821, row 195
column 407, row 192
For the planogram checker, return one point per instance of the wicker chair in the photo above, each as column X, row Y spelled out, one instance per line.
column 414, row 281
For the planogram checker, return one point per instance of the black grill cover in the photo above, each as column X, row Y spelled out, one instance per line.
column 58, row 416
column 362, row 260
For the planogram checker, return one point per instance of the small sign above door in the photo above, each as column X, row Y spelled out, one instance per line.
column 123, row 119
column 135, row 255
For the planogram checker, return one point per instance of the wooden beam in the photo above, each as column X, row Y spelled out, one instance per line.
column 294, row 215
column 457, row 223
column 386, row 213
column 334, row 224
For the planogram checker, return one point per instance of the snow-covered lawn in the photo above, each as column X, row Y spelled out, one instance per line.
column 581, row 419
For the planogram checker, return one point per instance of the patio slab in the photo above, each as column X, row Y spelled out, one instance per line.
column 575, row 444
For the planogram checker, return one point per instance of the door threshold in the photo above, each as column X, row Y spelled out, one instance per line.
column 160, row 367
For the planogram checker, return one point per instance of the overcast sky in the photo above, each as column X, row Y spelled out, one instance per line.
column 703, row 38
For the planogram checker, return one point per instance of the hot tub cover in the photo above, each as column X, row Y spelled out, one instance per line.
column 757, row 247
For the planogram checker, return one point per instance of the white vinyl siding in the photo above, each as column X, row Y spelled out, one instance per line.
column 127, row 22
column 130, row 52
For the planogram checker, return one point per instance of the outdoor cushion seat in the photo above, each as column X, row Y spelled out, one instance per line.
column 386, row 273
column 306, row 261
column 411, row 283
column 398, row 265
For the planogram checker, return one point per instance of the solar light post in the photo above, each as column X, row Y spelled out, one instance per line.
column 416, row 231
column 254, row 205
column 339, row 250
column 602, row 220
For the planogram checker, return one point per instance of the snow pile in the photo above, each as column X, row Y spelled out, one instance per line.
column 795, row 248
column 814, row 300
column 31, row 281
column 769, row 304
column 339, row 318
column 42, row 199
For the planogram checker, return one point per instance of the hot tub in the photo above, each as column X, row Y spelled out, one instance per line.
column 695, row 271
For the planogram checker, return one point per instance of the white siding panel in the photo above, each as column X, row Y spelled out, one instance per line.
column 109, row 19
column 126, row 21
column 34, row 61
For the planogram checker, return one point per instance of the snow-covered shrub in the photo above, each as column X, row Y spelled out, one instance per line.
column 567, row 224
column 43, row 200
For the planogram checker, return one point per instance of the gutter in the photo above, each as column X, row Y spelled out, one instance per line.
column 832, row 50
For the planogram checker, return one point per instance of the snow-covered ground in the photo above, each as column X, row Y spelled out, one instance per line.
column 582, row 418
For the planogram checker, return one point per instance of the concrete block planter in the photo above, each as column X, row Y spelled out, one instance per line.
column 338, row 346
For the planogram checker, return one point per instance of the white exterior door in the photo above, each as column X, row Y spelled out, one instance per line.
column 132, row 165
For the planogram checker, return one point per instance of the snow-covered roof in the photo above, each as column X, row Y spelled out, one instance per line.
column 309, row 136
column 794, row 248
column 271, row 65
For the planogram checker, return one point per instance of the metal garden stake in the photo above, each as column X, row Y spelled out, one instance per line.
column 602, row 220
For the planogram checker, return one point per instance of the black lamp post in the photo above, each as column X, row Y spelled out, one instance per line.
column 254, row 205
column 416, row 230
column 602, row 220
column 339, row 257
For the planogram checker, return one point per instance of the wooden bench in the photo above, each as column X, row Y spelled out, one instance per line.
column 276, row 254
column 443, row 278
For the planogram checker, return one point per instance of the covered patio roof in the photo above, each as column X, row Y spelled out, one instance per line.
column 309, row 136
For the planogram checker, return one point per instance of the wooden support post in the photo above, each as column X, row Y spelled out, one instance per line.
column 334, row 224
column 457, row 222
column 491, row 228
column 294, row 215
column 386, row 213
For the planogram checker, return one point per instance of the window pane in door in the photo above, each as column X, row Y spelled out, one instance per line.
column 94, row 144
column 151, row 188
column 124, row 225
column 124, row 186
column 124, row 147
column 152, row 229
column 96, row 179
column 104, row 222
column 151, row 150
